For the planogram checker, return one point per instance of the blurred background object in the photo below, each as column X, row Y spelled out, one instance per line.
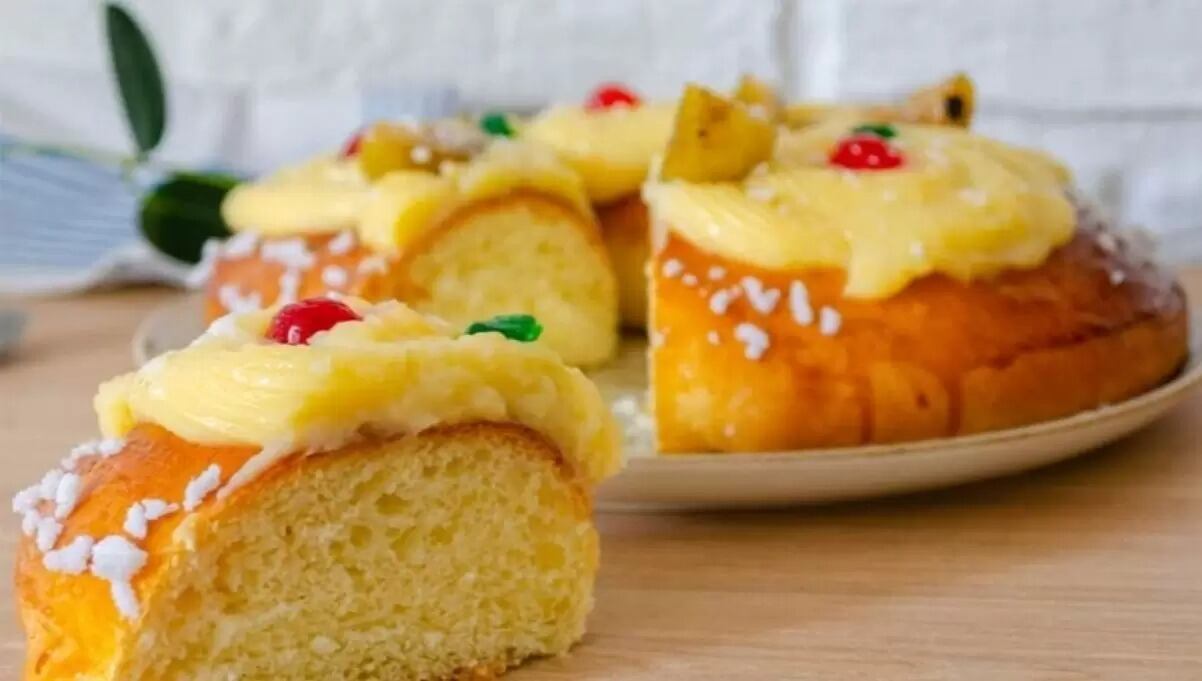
column 1114, row 87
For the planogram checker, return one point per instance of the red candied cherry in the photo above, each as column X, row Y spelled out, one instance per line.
column 296, row 323
column 865, row 152
column 351, row 148
column 610, row 95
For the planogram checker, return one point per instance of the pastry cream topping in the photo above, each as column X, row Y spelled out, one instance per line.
column 960, row 204
column 610, row 148
column 326, row 194
column 396, row 371
column 331, row 194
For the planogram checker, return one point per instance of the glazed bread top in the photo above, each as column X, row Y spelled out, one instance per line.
column 396, row 185
column 950, row 201
column 392, row 372
column 611, row 148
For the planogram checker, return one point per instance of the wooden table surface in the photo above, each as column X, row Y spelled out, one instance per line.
column 1087, row 570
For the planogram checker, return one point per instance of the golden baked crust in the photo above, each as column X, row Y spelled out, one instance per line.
column 72, row 623
column 626, row 228
column 368, row 275
column 1094, row 324
column 73, row 627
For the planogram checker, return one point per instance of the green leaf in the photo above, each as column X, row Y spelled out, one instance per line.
column 179, row 215
column 138, row 78
column 518, row 327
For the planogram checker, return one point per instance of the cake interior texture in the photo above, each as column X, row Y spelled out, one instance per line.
column 520, row 253
column 457, row 552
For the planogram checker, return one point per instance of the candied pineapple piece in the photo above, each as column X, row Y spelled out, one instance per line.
column 756, row 93
column 949, row 102
column 715, row 139
column 386, row 147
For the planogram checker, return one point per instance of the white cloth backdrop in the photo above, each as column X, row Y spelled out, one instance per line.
column 1112, row 86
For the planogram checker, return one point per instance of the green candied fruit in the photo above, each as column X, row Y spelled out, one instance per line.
column 496, row 124
column 523, row 328
column 882, row 130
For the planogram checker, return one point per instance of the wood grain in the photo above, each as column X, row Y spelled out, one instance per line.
column 1087, row 570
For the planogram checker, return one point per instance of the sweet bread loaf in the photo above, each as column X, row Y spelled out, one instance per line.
column 376, row 496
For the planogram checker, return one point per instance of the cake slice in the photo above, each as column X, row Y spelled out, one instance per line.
column 341, row 492
column 441, row 216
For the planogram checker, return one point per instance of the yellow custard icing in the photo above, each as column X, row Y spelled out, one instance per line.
column 331, row 194
column 394, row 372
column 326, row 194
column 610, row 148
column 960, row 204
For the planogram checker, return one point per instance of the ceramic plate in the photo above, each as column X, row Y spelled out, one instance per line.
column 710, row 481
